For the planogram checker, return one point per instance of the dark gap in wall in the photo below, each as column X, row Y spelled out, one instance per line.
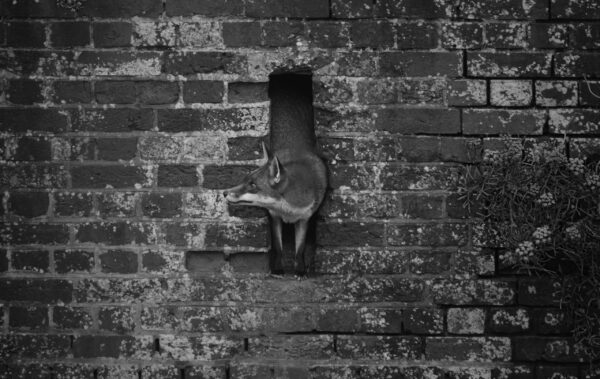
column 157, row 345
column 71, row 341
column 292, row 128
column 246, row 343
column 139, row 372
column 182, row 373
column 227, row 372
column 335, row 347
column 95, row 373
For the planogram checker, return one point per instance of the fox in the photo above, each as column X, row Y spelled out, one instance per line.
column 292, row 182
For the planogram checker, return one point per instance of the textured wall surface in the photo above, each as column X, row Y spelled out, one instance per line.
column 122, row 120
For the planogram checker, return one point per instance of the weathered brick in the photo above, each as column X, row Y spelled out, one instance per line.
column 361, row 205
column 467, row 92
column 429, row 321
column 72, row 318
column 113, row 120
column 221, row 177
column 282, row 33
column 446, row 234
column 116, row 319
column 39, row 62
column 510, row 320
column 379, row 347
column 552, row 349
column 206, row 347
column 37, row 261
column 111, row 176
column 506, row 35
column 477, row 349
column 418, row 120
column 549, row 36
column 509, row 64
column 577, row 64
column 466, row 320
column 45, row 291
column 229, row 119
column 473, row 292
column 119, row 261
column 511, row 93
column 421, row 64
column 462, row 35
column 375, row 34
column 588, row 93
column 287, row 8
column 29, row 204
column 219, row 235
column 422, row 91
column 38, row 346
column 112, row 34
column 34, row 119
column 129, row 92
column 539, row 292
column 291, row 347
column 329, row 34
column 117, row 204
column 242, row 34
column 177, row 176
column 161, row 205
column 41, row 233
column 95, row 346
column 503, row 121
column 189, row 63
column 70, row 33
column 575, row 121
column 66, row 91
column 510, row 9
column 350, row 233
column 556, row 93
column 116, row 233
column 205, row 7
column 118, row 63
column 25, row 91
column 243, row 92
column 421, row 177
column 572, row 9
column 25, row 34
column 28, row 317
column 33, row 149
column 116, row 8
column 203, row 91
column 67, row 261
column 429, row 262
column 377, row 91
column 416, row 35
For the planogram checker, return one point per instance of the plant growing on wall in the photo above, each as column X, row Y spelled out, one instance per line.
column 542, row 209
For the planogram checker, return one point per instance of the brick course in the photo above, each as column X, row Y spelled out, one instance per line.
column 122, row 122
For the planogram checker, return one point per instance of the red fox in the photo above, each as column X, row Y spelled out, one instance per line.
column 293, row 181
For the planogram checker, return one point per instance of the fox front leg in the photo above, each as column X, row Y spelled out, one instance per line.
column 277, row 239
column 300, row 227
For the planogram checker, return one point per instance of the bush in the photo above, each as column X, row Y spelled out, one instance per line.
column 543, row 209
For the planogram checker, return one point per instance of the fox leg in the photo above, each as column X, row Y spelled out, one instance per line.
column 301, row 228
column 276, row 228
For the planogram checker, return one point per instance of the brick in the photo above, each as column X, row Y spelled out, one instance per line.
column 511, row 93
column 112, row 176
column 77, row 204
column 24, row 91
column 510, row 320
column 418, row 120
column 282, row 33
column 429, row 262
column 416, row 36
column 539, row 292
column 129, row 92
column 425, row 177
column 36, row 290
column 552, row 321
column 29, row 204
column 38, row 346
column 477, row 349
column 352, row 9
column 114, row 149
column 412, row 9
column 242, row 34
column 332, row 90
column 447, row 234
column 243, row 92
column 112, row 34
column 162, row 205
column 473, row 292
column 379, row 347
column 577, row 64
column 501, row 121
column 202, row 63
column 422, row 91
column 34, row 119
column 328, row 34
column 118, row 63
column 585, row 36
column 253, row 235
column 377, row 91
column 221, row 177
column 70, row 33
column 571, row 9
column 549, row 36
column 510, row 9
column 462, row 35
column 244, row 148
column 288, row 8
column 113, row 120
column 37, row 261
column 27, row 234
column 426, row 207
column 512, row 35
column 205, row 8
column 350, row 233
column 33, row 149
column 115, row 233
column 200, row 372
column 588, row 93
column 67, row 261
column 509, row 64
column 467, row 92
column 116, row 319
column 558, row 372
column 73, row 370
column 420, row 64
column 291, row 347
column 90, row 346
column 206, row 347
column 361, row 205
column 574, row 121
column 38, row 62
column 3, row 260
column 25, row 34
column 229, row 119
column 28, row 317
column 177, row 176
column 72, row 318
column 357, row 63
column 35, row 10
column 466, row 320
column 423, row 321
column 160, row 371
column 250, row 262
column 124, row 9
column 374, row 34
column 558, row 93
column 66, row 91
column 549, row 349
column 203, row 91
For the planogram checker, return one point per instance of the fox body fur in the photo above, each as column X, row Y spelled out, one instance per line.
column 292, row 182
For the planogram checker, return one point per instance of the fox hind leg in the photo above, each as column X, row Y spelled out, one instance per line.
column 277, row 241
column 301, row 227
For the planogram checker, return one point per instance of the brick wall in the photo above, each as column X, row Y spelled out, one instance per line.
column 122, row 120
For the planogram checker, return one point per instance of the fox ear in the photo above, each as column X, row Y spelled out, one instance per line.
column 275, row 170
column 266, row 153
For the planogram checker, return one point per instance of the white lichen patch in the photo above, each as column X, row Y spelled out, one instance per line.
column 518, row 318
column 61, row 149
column 209, row 204
column 249, row 319
column 511, row 92
column 200, row 33
column 147, row 32
column 373, row 319
column 466, row 320
column 556, row 93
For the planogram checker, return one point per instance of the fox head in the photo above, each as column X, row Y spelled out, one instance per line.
column 262, row 187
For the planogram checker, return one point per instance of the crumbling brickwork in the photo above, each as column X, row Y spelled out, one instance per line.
column 121, row 122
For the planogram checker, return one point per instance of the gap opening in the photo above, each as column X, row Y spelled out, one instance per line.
column 292, row 129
